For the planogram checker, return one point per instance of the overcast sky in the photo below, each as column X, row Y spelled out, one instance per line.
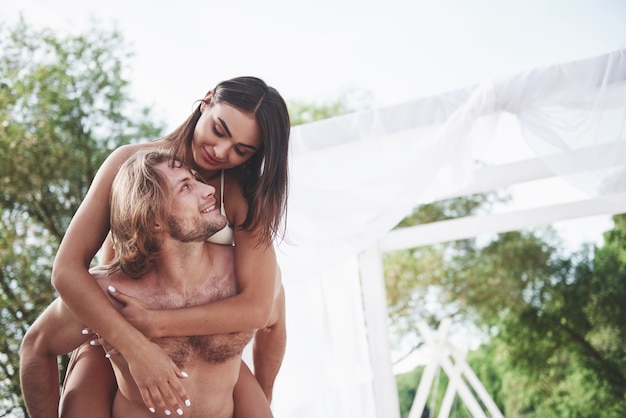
column 393, row 50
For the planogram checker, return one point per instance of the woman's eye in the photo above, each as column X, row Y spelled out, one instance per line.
column 240, row 152
column 217, row 132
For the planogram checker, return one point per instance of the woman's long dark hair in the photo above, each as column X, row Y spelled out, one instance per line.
column 264, row 177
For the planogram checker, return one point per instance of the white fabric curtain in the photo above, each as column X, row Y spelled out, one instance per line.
column 354, row 177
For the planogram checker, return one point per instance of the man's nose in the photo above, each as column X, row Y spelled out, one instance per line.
column 207, row 190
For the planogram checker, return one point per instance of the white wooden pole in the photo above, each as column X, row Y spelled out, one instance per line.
column 442, row 354
column 478, row 387
column 376, row 317
column 448, row 399
column 426, row 383
column 465, row 393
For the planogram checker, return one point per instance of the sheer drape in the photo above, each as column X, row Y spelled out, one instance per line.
column 353, row 178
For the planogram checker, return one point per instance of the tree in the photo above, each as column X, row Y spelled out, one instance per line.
column 64, row 106
column 569, row 342
column 415, row 276
column 553, row 323
column 349, row 101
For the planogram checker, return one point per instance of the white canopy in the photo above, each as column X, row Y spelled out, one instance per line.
column 354, row 177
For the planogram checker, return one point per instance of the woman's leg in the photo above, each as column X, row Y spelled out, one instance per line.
column 89, row 385
column 250, row 401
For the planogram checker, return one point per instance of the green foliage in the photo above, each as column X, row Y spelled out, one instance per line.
column 415, row 277
column 556, row 322
column 407, row 384
column 568, row 341
column 62, row 110
column 64, row 106
column 302, row 112
column 453, row 208
column 407, row 388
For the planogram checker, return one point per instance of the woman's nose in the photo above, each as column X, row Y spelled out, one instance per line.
column 221, row 150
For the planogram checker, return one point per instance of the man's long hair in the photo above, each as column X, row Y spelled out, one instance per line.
column 138, row 205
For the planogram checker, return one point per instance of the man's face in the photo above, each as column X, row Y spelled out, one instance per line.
column 194, row 216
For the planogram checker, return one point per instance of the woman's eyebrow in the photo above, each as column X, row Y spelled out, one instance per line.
column 225, row 126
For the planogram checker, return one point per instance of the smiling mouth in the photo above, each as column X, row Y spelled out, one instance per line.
column 210, row 158
column 208, row 209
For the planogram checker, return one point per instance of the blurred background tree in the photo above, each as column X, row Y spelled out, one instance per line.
column 551, row 324
column 64, row 106
column 350, row 100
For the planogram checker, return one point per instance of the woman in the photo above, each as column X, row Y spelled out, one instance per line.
column 237, row 139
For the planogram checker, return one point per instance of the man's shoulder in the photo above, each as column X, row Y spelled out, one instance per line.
column 99, row 272
column 104, row 277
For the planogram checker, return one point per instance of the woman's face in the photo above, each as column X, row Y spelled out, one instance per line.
column 224, row 138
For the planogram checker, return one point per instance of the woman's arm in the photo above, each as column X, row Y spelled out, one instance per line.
column 258, row 282
column 250, row 309
column 85, row 234
column 149, row 365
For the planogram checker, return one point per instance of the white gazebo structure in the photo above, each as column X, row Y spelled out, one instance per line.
column 355, row 177
column 462, row 380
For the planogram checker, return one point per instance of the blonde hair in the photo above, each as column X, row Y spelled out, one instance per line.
column 138, row 196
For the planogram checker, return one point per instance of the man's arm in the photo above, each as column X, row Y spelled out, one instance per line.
column 57, row 331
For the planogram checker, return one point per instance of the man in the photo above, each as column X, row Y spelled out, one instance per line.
column 161, row 216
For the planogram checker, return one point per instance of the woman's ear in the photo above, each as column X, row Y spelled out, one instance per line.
column 206, row 101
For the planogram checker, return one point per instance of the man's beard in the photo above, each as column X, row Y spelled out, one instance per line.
column 198, row 231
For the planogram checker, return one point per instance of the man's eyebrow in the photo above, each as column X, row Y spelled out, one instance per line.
column 184, row 179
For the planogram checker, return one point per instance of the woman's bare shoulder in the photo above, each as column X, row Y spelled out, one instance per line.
column 124, row 152
column 234, row 201
column 129, row 149
column 232, row 185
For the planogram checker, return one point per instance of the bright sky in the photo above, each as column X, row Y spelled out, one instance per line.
column 393, row 50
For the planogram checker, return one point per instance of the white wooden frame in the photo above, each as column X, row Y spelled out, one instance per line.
column 485, row 179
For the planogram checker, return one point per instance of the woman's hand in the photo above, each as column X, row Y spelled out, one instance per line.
column 157, row 378
column 136, row 312
column 154, row 372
